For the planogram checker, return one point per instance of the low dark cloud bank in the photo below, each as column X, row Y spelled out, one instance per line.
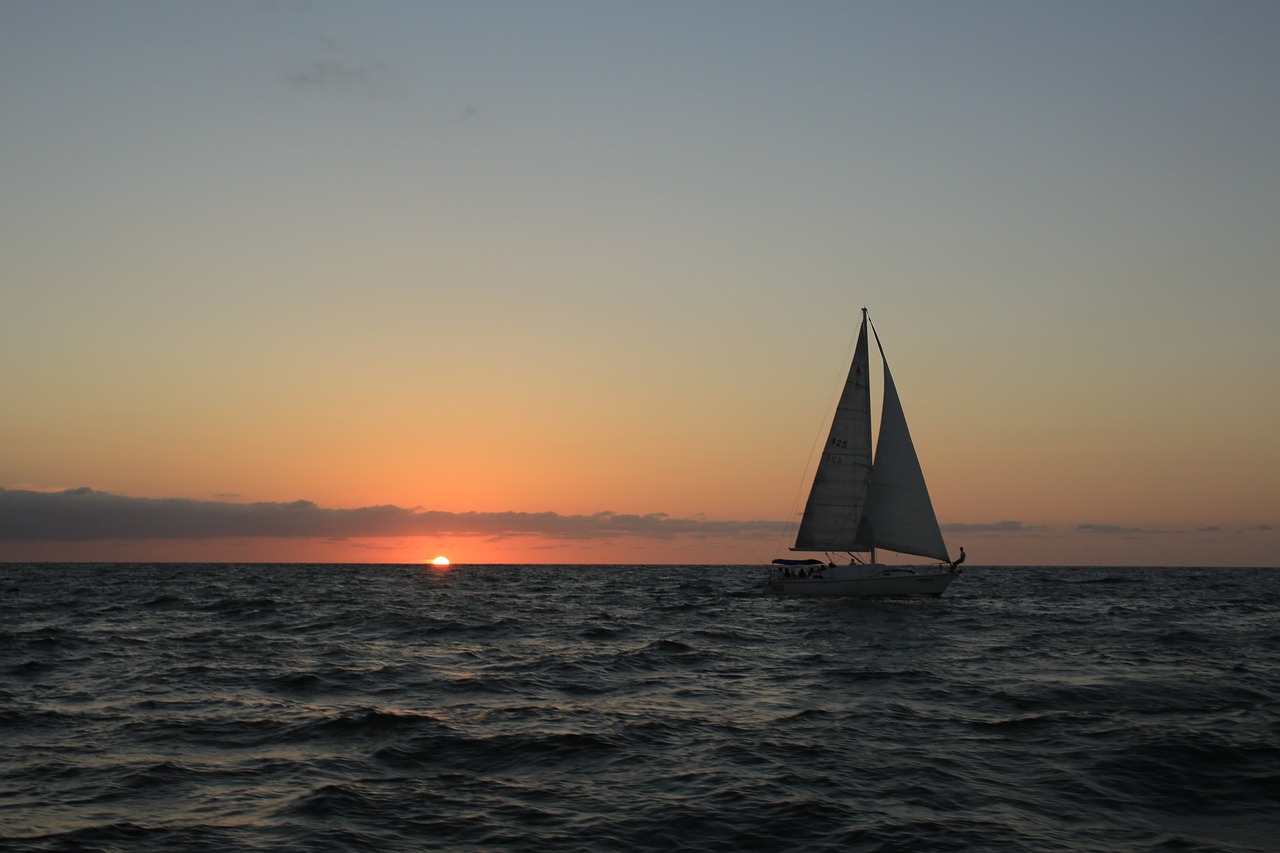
column 995, row 527
column 1109, row 529
column 80, row 515
column 85, row 515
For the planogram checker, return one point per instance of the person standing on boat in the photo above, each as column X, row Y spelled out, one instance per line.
column 955, row 563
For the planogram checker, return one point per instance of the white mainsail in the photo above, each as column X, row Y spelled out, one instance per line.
column 838, row 493
column 859, row 505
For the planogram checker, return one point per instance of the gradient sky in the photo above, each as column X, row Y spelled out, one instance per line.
column 577, row 281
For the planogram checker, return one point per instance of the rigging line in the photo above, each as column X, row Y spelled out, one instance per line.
column 877, row 337
column 877, row 414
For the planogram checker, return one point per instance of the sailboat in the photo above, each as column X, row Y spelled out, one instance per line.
column 858, row 505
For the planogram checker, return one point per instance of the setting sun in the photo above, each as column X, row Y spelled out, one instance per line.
column 440, row 561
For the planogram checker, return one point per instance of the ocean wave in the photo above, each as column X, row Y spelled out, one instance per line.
column 1194, row 773
column 570, row 709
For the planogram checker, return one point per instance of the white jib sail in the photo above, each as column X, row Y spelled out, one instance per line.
column 899, row 515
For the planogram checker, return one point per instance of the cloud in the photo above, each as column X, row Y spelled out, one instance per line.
column 336, row 74
column 1113, row 529
column 1144, row 531
column 86, row 515
column 80, row 515
column 993, row 527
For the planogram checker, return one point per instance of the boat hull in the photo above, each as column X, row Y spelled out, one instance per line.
column 893, row 584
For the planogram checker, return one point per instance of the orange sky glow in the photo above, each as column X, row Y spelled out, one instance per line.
column 424, row 279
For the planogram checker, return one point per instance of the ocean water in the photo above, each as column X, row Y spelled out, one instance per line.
column 557, row 708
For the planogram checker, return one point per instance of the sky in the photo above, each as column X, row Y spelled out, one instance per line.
column 578, row 282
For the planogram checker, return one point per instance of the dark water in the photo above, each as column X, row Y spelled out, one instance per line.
column 575, row 708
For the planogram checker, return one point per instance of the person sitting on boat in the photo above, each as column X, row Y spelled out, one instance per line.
column 956, row 563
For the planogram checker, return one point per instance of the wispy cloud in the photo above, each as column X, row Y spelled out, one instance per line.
column 338, row 75
column 79, row 515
